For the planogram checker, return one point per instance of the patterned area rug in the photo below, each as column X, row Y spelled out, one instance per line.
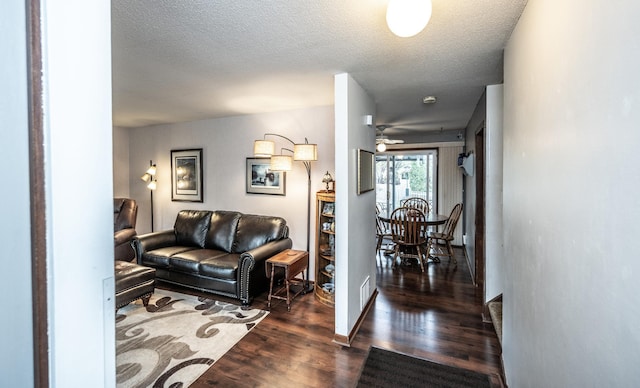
column 175, row 339
column 384, row 368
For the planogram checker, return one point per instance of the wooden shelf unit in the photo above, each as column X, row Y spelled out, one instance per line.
column 325, row 246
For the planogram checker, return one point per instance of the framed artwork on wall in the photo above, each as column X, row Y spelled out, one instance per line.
column 261, row 180
column 186, row 175
column 366, row 171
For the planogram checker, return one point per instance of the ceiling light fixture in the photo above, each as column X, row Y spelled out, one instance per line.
column 407, row 18
column 429, row 100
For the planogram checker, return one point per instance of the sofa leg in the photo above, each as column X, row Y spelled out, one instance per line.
column 145, row 300
column 246, row 305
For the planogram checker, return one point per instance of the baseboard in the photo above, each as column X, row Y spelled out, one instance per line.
column 346, row 340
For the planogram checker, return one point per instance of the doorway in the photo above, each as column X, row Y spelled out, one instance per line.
column 404, row 174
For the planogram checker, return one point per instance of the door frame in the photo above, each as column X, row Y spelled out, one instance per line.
column 479, row 237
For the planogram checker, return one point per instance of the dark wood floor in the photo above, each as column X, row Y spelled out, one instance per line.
column 436, row 315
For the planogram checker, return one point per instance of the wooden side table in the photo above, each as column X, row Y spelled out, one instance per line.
column 294, row 263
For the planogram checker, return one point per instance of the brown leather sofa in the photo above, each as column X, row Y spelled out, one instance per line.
column 125, row 213
column 221, row 252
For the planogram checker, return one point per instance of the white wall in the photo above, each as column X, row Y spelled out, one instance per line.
column 571, row 203
column 16, row 326
column 450, row 179
column 494, row 262
column 355, row 222
column 121, row 162
column 79, row 215
column 226, row 143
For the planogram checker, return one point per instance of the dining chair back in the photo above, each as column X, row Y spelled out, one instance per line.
column 407, row 226
column 382, row 232
column 438, row 240
column 417, row 203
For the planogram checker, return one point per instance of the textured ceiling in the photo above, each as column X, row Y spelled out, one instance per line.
column 188, row 60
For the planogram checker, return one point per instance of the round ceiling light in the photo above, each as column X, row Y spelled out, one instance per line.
column 407, row 18
column 429, row 100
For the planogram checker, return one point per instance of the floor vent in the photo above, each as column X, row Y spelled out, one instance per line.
column 364, row 293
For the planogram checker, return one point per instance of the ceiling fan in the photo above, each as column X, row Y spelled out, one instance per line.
column 382, row 140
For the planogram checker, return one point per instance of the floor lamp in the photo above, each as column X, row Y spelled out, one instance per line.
column 303, row 152
column 150, row 178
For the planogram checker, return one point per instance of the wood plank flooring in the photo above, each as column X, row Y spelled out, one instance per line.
column 436, row 315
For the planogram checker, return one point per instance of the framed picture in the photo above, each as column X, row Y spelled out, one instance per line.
column 261, row 180
column 366, row 171
column 186, row 175
column 328, row 208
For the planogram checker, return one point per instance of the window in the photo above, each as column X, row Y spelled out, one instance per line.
column 404, row 174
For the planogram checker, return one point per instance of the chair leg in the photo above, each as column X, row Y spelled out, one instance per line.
column 396, row 253
column 420, row 257
column 451, row 254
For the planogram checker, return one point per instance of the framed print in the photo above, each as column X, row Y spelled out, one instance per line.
column 261, row 180
column 366, row 171
column 186, row 175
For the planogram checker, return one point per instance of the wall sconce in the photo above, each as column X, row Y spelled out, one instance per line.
column 326, row 179
column 302, row 152
column 407, row 18
column 150, row 178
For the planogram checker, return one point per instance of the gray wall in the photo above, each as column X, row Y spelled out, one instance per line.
column 355, row 222
column 494, row 258
column 226, row 143
column 571, row 207
column 16, row 326
column 121, row 162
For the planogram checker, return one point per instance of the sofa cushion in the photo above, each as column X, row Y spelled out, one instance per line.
column 254, row 231
column 160, row 257
column 191, row 227
column 189, row 261
column 222, row 230
column 221, row 267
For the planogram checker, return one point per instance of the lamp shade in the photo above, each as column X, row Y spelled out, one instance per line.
column 281, row 163
column 381, row 147
column 152, row 185
column 407, row 18
column 305, row 152
column 146, row 177
column 152, row 170
column 264, row 148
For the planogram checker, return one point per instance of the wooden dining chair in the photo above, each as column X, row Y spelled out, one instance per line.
column 407, row 232
column 417, row 203
column 436, row 241
column 383, row 234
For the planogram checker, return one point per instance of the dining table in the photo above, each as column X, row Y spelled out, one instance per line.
column 430, row 220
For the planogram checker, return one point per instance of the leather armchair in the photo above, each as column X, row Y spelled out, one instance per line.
column 125, row 213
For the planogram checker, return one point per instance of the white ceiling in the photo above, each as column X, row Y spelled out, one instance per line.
column 189, row 60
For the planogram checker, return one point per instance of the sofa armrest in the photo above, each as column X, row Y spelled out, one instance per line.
column 263, row 252
column 151, row 241
column 257, row 256
column 123, row 235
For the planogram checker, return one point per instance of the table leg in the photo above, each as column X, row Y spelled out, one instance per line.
column 287, row 285
column 271, row 286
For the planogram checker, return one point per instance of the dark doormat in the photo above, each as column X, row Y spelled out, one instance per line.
column 384, row 368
